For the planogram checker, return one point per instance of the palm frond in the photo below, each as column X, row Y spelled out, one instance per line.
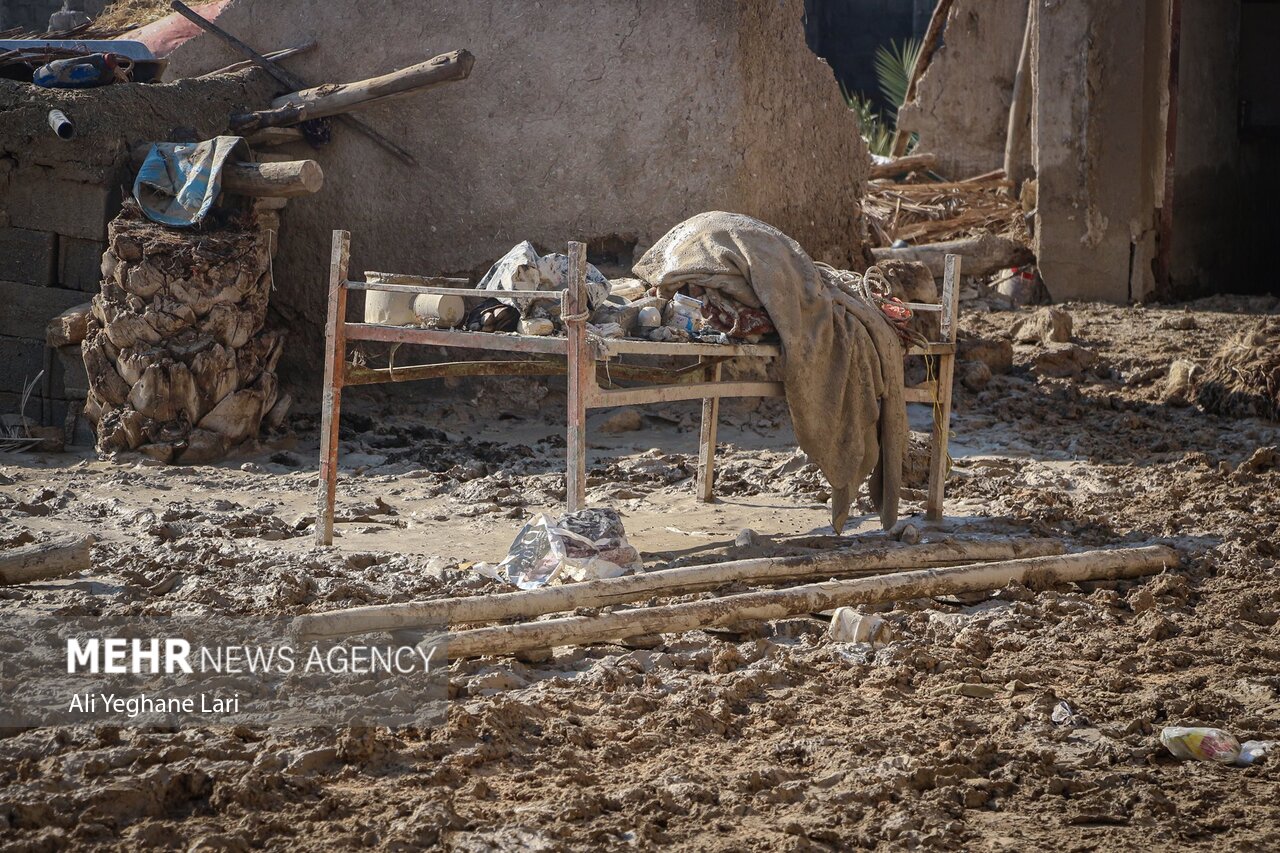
column 894, row 63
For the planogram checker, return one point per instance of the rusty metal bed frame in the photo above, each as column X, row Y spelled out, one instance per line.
column 578, row 357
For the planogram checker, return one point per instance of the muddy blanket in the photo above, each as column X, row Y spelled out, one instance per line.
column 842, row 362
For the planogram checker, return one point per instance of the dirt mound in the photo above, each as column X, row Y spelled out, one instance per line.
column 1242, row 380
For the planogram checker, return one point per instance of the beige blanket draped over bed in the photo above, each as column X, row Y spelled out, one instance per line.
column 842, row 361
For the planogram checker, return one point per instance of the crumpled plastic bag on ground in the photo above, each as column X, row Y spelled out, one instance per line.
column 523, row 268
column 585, row 545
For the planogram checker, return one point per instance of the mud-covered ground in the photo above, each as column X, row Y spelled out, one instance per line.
column 775, row 737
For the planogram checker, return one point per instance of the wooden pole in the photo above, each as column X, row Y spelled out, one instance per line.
column 62, row 556
column 812, row 598
column 982, row 255
column 332, row 99
column 902, row 165
column 580, row 370
column 273, row 180
column 707, row 436
column 939, row 459
column 285, row 77
column 668, row 582
column 335, row 345
column 1020, row 107
column 929, row 44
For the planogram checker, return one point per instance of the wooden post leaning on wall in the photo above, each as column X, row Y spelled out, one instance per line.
column 335, row 356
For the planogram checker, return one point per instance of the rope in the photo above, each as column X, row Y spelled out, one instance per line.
column 873, row 288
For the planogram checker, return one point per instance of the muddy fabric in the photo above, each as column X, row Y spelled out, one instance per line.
column 842, row 361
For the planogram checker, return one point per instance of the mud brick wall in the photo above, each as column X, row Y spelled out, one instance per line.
column 56, row 198
column 53, row 225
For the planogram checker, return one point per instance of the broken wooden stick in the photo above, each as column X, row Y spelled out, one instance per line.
column 289, row 179
column 982, row 255
column 332, row 98
column 680, row 581
column 812, row 598
column 65, row 555
column 902, row 165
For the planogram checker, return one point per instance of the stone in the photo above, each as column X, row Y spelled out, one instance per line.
column 746, row 538
column 1180, row 385
column 623, row 420
column 69, row 327
column 995, row 353
column 974, row 375
column 1046, row 326
column 1064, row 360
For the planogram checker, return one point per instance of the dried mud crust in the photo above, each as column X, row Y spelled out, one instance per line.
column 939, row 738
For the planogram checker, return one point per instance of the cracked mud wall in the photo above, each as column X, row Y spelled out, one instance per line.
column 962, row 104
column 580, row 120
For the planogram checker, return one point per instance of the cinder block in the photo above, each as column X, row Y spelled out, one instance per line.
column 21, row 360
column 80, row 263
column 28, row 256
column 40, row 199
column 75, row 379
column 25, row 310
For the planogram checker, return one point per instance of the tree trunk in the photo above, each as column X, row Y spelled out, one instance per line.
column 982, row 255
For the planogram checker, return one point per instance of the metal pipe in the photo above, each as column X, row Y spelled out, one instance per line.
column 61, row 124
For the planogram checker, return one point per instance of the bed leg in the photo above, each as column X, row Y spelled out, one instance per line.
column 707, row 439
column 334, row 366
column 581, row 368
column 938, row 457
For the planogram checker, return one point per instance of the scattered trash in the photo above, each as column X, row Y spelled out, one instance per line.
column 1204, row 744
column 686, row 313
column 523, row 268
column 1252, row 750
column 850, row 626
column 61, row 125
column 578, row 546
column 84, row 72
column 1064, row 715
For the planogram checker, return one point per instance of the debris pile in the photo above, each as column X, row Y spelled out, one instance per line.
column 1242, row 380
column 180, row 367
column 929, row 211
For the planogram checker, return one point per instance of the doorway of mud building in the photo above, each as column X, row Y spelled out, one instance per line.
column 1258, row 247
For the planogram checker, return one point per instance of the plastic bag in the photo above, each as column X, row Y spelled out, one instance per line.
column 523, row 268
column 1203, row 743
column 584, row 545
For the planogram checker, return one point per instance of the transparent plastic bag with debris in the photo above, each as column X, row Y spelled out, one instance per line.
column 585, row 545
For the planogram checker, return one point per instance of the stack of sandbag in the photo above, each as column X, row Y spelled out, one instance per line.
column 180, row 367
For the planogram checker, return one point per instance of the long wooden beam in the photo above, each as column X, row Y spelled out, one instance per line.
column 680, row 581
column 811, row 598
